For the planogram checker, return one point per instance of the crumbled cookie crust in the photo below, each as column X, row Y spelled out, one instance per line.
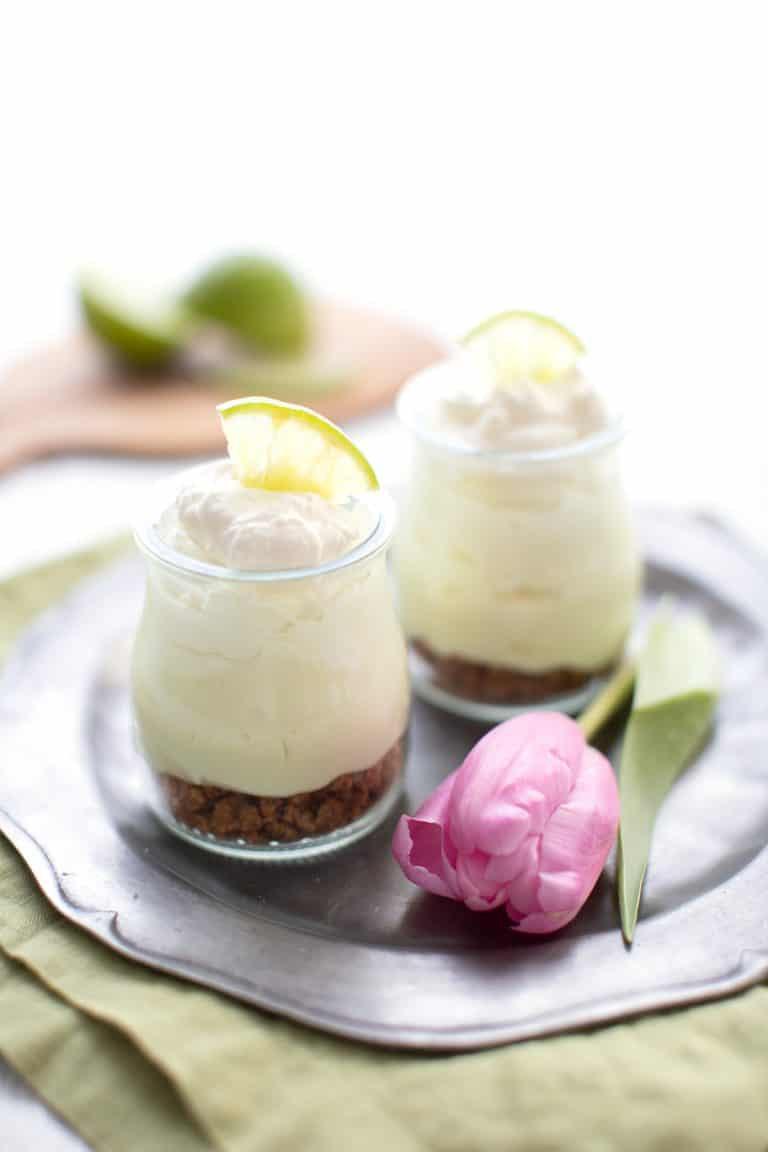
column 493, row 684
column 239, row 816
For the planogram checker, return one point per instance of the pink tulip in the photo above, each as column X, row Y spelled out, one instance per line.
column 527, row 821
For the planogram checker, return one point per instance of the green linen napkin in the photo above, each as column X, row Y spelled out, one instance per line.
column 137, row 1060
column 86, row 1071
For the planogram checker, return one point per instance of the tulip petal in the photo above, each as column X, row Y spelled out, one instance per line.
column 479, row 904
column 438, row 804
column 421, row 844
column 488, row 769
column 560, row 891
column 540, row 923
column 526, row 821
column 581, row 831
column 522, row 886
column 476, row 893
column 418, row 848
column 502, row 827
column 501, row 870
column 534, row 802
column 536, row 750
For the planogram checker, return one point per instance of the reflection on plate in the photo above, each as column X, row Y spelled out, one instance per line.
column 345, row 943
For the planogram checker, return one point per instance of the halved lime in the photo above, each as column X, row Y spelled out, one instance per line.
column 141, row 336
column 515, row 346
column 256, row 300
column 286, row 448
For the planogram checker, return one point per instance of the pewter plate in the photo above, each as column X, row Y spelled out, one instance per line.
column 344, row 943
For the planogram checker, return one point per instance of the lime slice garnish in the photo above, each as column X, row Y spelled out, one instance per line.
column 256, row 300
column 286, row 448
column 515, row 346
column 139, row 335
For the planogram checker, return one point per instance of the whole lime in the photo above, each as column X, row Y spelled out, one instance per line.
column 256, row 300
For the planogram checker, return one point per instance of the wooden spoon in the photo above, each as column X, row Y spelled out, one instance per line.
column 72, row 398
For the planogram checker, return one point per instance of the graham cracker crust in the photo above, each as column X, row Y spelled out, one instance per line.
column 493, row 684
column 240, row 816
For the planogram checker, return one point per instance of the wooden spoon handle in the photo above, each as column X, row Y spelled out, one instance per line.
column 72, row 399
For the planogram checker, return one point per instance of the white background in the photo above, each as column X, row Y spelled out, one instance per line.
column 605, row 162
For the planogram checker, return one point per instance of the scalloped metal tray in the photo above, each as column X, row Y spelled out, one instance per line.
column 344, row 943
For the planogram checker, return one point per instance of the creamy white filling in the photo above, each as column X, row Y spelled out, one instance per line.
column 216, row 519
column 522, row 563
column 531, row 571
column 268, row 687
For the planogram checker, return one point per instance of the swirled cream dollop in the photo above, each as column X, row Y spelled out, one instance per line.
column 455, row 403
column 218, row 520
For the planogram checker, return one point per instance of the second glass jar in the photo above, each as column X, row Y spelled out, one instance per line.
column 518, row 572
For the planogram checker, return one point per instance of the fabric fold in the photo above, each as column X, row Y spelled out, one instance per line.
column 110, row 1044
column 95, row 1079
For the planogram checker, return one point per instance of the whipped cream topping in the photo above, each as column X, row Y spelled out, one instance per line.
column 454, row 402
column 218, row 520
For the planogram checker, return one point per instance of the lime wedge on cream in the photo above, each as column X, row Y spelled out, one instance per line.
column 286, row 448
column 515, row 346
column 138, row 334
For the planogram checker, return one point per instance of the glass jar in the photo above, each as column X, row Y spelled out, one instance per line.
column 271, row 707
column 518, row 572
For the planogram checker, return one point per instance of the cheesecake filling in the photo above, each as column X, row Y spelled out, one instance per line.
column 516, row 549
column 274, row 687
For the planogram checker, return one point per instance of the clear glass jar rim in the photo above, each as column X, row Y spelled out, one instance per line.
column 612, row 433
column 149, row 541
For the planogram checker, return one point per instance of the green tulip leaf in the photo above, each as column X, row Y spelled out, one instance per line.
column 674, row 703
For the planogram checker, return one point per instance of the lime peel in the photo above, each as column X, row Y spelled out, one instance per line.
column 139, row 335
column 257, row 300
column 517, row 345
column 283, row 447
